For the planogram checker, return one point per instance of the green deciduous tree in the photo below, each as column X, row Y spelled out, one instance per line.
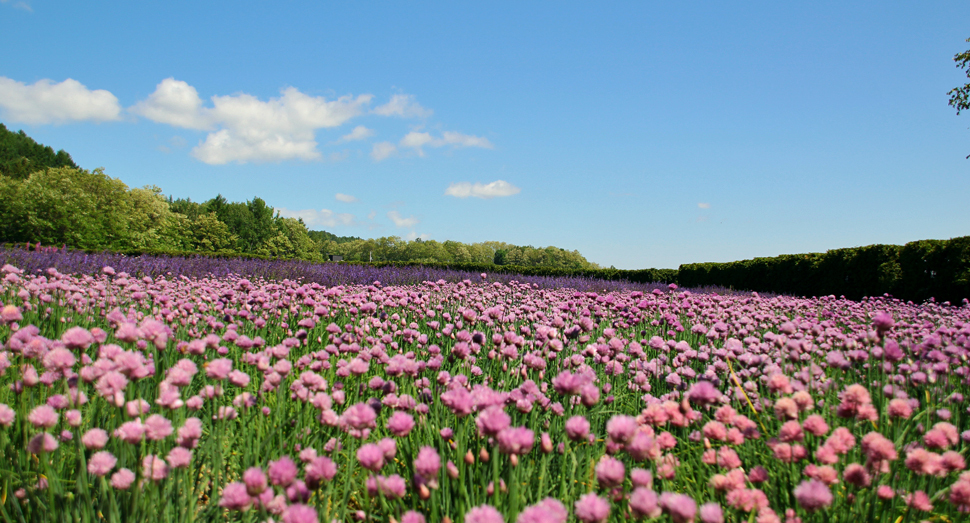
column 960, row 96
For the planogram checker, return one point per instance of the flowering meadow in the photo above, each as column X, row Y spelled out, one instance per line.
column 179, row 397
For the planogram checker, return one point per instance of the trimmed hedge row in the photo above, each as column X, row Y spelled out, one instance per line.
column 916, row 271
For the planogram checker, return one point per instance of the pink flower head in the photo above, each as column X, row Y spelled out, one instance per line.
column 179, row 457
column 786, row 408
column 459, row 400
column 791, row 432
column 157, row 427
column 591, row 508
column 428, row 463
column 484, row 514
column 857, row 475
column 7, row 415
column 154, row 468
column 703, row 393
column 319, row 470
column 711, row 513
column 960, row 495
column 94, row 439
column 300, row 513
column 681, row 507
column 43, row 416
column 282, row 472
column 610, row 472
column 392, row 487
column 549, row 510
column 122, row 479
column 357, row 419
column 878, row 448
column 10, row 314
column 813, row 495
column 235, row 497
column 644, row 503
column 899, row 408
column 577, row 428
column 388, row 447
column 371, row 457
column 59, row 359
column 101, row 463
column 924, row 462
column 516, row 440
column 815, row 425
column 130, row 431
column 841, row 440
column 621, row 428
column 919, row 501
column 400, row 424
column 492, row 420
column 77, row 338
column 219, row 369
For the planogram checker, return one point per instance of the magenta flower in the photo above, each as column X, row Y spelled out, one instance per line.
column 255, row 481
column 357, row 419
column 157, row 427
column 484, row 514
column 219, row 369
column 235, row 497
column 179, row 457
column 711, row 513
column 428, row 463
column 94, row 439
column 644, row 503
column 282, row 472
column 7, row 415
column 549, row 510
column 682, row 508
column 577, row 428
column 392, row 487
column 813, row 495
column 515, row 440
column 492, row 420
column 43, row 416
column 130, row 431
column 319, row 470
column 412, row 516
column 154, row 467
column 400, row 424
column 371, row 457
column 300, row 514
column 591, row 508
column 704, row 393
column 610, row 472
column 621, row 428
column 77, row 338
column 101, row 463
column 42, row 443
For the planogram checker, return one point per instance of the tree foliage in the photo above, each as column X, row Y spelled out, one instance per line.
column 960, row 96
column 20, row 155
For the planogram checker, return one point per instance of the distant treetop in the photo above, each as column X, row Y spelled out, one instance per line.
column 20, row 155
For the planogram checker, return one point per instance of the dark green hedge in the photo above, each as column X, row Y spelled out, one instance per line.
column 916, row 271
column 634, row 276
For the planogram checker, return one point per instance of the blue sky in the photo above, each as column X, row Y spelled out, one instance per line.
column 643, row 134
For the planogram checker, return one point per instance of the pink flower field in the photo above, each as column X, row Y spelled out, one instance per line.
column 180, row 399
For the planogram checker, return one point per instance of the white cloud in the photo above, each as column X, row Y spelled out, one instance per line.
column 404, row 223
column 19, row 5
column 498, row 188
column 346, row 198
column 411, row 236
column 403, row 105
column 46, row 102
column 703, row 206
column 245, row 128
column 416, row 140
column 382, row 150
column 321, row 218
column 359, row 133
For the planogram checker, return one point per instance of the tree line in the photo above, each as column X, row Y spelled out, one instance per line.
column 46, row 198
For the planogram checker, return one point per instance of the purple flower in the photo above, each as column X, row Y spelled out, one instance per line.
column 157, row 427
column 319, row 470
column 492, row 420
column 392, row 486
column 681, row 507
column 179, row 457
column 371, row 457
column 282, row 472
column 610, row 472
column 300, row 514
column 644, row 503
column 101, row 463
column 515, row 440
column 549, row 510
column 704, row 393
column 484, row 514
column 428, row 463
column 357, row 419
column 255, row 481
column 219, row 369
column 235, row 497
column 459, row 400
column 591, row 508
column 42, row 443
column 412, row 517
column 621, row 428
column 77, row 338
column 711, row 513
column 154, row 467
column 130, row 431
column 813, row 495
column 7, row 415
column 400, row 424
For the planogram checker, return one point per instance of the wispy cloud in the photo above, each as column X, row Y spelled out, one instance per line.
column 403, row 105
column 382, row 151
column 703, row 205
column 359, row 133
column 498, row 188
column 417, row 140
column 19, row 5
column 45, row 102
column 346, row 198
column 319, row 218
column 400, row 221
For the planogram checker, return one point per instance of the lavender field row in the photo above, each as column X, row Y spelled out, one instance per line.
column 196, row 390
